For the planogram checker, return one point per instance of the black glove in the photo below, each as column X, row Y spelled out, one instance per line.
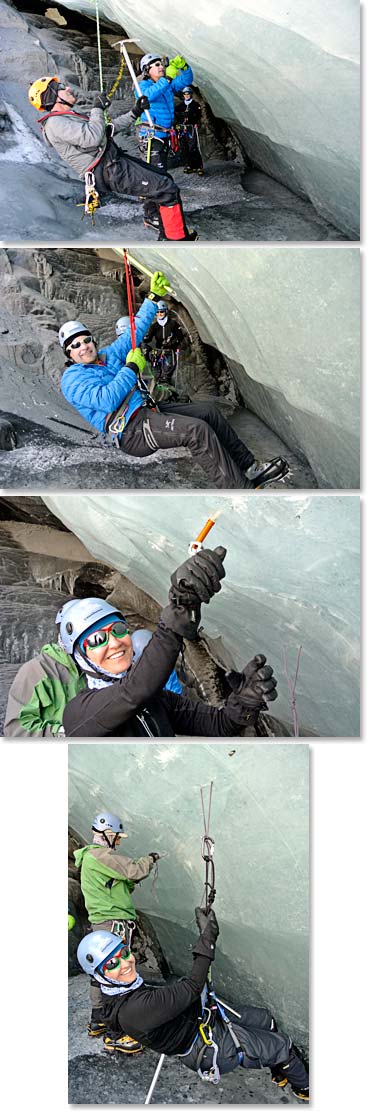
column 252, row 688
column 209, row 930
column 141, row 105
column 198, row 578
column 194, row 582
column 102, row 101
column 154, row 857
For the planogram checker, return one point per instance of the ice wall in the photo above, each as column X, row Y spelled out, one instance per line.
column 288, row 324
column 260, row 827
column 292, row 577
column 284, row 75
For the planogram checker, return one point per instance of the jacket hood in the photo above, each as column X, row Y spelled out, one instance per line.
column 79, row 853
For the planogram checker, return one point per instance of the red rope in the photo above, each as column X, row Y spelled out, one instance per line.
column 130, row 298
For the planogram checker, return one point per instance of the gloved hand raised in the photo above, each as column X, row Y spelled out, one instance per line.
column 179, row 62
column 154, row 857
column 141, row 105
column 209, row 930
column 158, row 286
column 102, row 101
column 198, row 578
column 252, row 687
column 171, row 71
column 135, row 360
column 194, row 582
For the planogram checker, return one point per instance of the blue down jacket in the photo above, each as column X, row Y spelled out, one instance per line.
column 95, row 390
column 161, row 96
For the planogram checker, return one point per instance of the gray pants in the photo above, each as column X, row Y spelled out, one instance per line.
column 199, row 427
column 96, row 996
column 261, row 1045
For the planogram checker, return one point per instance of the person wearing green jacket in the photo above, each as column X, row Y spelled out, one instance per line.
column 107, row 881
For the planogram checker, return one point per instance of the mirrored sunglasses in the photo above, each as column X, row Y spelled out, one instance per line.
column 100, row 637
column 123, row 954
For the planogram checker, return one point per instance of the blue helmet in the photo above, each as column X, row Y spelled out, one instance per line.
column 140, row 639
column 96, row 948
column 122, row 324
column 162, row 306
column 81, row 614
column 105, row 820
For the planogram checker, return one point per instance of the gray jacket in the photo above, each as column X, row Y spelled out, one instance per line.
column 80, row 138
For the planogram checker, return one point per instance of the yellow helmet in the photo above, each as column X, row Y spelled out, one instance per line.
column 35, row 91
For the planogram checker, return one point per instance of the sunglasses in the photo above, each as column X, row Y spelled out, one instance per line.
column 101, row 636
column 123, row 954
column 157, row 63
column 78, row 343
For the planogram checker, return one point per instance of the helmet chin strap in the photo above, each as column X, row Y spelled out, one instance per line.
column 104, row 835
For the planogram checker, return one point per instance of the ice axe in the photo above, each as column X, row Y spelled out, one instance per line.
column 121, row 43
column 197, row 544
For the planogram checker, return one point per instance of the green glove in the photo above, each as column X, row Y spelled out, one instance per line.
column 158, row 286
column 179, row 62
column 171, row 71
column 136, row 360
column 71, row 921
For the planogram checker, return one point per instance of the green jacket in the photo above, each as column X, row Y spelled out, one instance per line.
column 39, row 693
column 105, row 900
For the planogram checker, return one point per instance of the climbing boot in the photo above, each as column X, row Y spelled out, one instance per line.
column 301, row 1093
column 96, row 1026
column 188, row 170
column 152, row 222
column 262, row 474
column 278, row 1078
column 123, row 1044
column 200, row 172
column 192, row 235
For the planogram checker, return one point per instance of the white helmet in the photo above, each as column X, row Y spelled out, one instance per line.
column 147, row 61
column 70, row 330
column 122, row 324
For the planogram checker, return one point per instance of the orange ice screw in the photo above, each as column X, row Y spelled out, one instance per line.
column 197, row 544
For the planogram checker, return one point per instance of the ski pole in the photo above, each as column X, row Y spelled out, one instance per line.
column 155, row 1078
column 121, row 44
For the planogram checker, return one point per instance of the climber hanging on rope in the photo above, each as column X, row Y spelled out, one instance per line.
column 85, row 142
column 184, row 1018
column 107, row 881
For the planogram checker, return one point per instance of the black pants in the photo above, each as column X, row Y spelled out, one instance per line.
column 190, row 148
column 201, row 428
column 118, row 172
column 263, row 1046
column 155, row 153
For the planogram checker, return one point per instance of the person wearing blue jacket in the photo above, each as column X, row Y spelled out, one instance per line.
column 107, row 389
column 159, row 84
column 96, row 382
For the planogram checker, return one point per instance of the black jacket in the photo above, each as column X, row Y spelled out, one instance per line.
column 170, row 335
column 190, row 113
column 137, row 705
column 164, row 1018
